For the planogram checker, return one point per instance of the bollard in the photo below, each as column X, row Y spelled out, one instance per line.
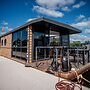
column 66, row 66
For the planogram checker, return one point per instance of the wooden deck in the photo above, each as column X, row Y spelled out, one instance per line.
column 45, row 65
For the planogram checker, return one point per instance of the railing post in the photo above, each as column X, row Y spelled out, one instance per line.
column 68, row 58
column 56, row 56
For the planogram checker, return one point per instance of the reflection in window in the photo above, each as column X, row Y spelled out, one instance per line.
column 65, row 40
column 14, row 43
column 19, row 44
column 55, row 38
column 39, row 39
column 24, row 38
column 18, row 41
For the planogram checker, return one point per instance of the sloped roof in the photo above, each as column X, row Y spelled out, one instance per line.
column 70, row 28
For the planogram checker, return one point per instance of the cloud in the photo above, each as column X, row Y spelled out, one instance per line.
column 54, row 3
column 6, row 29
column 87, row 31
column 9, row 29
column 53, row 7
column 49, row 12
column 80, row 4
column 30, row 19
column 4, row 23
column 65, row 9
column 82, row 24
column 78, row 37
column 80, row 17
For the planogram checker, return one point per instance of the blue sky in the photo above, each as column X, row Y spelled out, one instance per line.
column 14, row 13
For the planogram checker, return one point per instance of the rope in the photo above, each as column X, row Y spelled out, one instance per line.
column 64, row 85
column 85, row 79
column 80, row 76
column 79, row 80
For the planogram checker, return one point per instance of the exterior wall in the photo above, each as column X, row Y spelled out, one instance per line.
column 6, row 50
column 29, row 44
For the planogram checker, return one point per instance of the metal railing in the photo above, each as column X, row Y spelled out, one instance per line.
column 60, row 51
column 46, row 50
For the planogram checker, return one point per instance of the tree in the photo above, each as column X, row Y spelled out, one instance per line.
column 75, row 43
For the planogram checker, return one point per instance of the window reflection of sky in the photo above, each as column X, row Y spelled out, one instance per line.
column 19, row 44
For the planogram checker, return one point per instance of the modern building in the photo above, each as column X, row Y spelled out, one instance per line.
column 22, row 41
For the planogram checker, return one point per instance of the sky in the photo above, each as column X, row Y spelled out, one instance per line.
column 14, row 13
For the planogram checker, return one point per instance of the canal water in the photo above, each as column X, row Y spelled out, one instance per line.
column 86, row 75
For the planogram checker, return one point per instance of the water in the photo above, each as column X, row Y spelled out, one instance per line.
column 87, row 76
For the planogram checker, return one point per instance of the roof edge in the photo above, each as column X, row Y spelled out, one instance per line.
column 42, row 19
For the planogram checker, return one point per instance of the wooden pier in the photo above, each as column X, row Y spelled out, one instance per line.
column 78, row 61
column 74, row 73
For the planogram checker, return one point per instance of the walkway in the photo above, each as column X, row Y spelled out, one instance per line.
column 15, row 76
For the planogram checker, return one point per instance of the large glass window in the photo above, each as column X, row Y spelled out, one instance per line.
column 65, row 40
column 55, row 38
column 19, row 37
column 24, row 38
column 38, row 39
column 19, row 44
column 14, row 42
